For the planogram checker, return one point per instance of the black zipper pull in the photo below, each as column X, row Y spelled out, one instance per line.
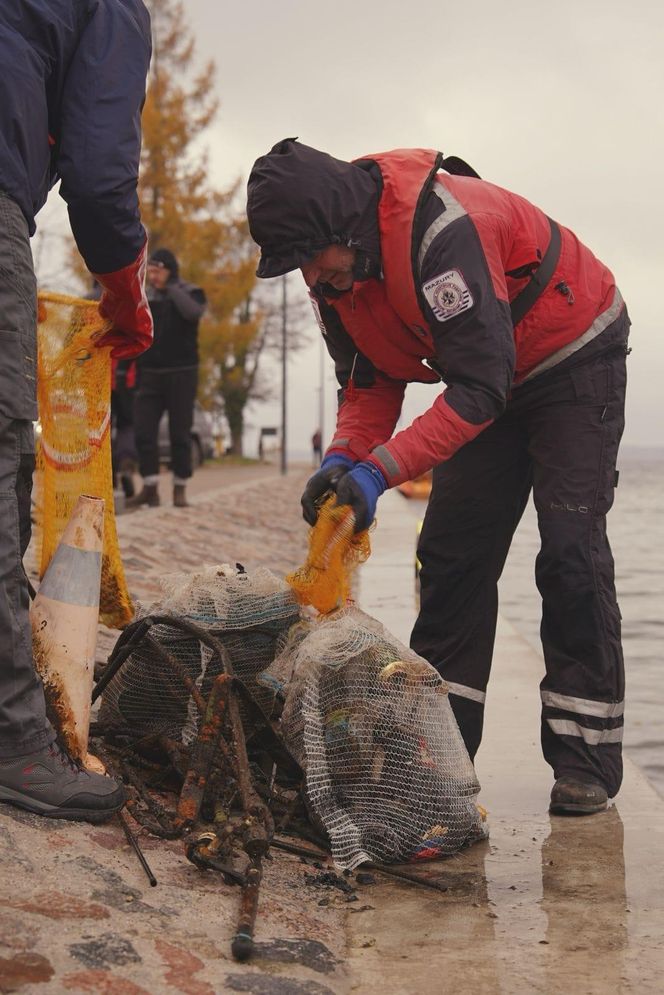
column 563, row 289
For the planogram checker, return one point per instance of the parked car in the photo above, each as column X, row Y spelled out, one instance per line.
column 202, row 439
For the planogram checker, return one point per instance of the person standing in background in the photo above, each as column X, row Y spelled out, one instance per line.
column 317, row 446
column 123, row 446
column 167, row 378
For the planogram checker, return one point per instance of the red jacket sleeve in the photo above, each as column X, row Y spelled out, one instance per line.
column 367, row 417
column 431, row 439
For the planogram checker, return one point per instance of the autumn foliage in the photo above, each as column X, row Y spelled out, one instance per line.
column 205, row 227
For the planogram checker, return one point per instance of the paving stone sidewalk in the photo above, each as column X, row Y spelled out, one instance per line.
column 76, row 911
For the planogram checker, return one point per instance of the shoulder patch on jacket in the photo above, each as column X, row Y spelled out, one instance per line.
column 448, row 294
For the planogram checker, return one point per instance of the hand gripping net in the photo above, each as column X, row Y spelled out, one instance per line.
column 74, row 447
column 324, row 581
column 387, row 774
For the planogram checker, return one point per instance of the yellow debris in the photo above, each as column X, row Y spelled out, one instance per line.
column 74, row 442
column 324, row 581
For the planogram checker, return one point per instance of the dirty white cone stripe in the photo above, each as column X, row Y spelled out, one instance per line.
column 64, row 618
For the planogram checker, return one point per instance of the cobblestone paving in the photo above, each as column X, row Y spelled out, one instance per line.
column 76, row 911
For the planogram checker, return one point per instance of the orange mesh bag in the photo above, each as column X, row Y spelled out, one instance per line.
column 74, row 447
column 324, row 581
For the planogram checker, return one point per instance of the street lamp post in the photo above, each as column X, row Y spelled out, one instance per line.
column 321, row 394
column 284, row 356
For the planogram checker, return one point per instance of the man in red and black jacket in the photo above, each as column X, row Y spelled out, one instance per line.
column 419, row 271
column 71, row 91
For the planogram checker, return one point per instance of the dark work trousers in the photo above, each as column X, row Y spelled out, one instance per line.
column 158, row 391
column 23, row 724
column 559, row 437
column 123, row 449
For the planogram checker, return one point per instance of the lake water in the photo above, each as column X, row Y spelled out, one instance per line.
column 636, row 533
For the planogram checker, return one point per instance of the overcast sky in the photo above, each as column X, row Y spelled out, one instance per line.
column 560, row 102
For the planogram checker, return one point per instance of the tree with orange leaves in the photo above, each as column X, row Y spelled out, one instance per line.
column 182, row 210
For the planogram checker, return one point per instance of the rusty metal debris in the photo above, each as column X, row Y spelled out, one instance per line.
column 226, row 799
column 217, row 773
column 320, row 855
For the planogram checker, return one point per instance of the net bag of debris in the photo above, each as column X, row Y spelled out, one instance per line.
column 158, row 690
column 388, row 776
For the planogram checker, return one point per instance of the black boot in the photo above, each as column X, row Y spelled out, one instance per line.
column 572, row 796
column 180, row 496
column 127, row 482
column 149, row 496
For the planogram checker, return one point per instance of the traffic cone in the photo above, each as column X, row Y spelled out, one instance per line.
column 64, row 618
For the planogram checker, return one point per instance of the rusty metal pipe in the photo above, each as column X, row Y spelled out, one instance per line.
column 195, row 782
column 243, row 941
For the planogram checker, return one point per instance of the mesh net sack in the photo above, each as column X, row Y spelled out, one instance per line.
column 74, row 449
column 249, row 616
column 324, row 581
column 387, row 774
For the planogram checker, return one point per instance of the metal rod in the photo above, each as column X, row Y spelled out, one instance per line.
column 137, row 850
column 403, row 876
column 243, row 941
column 301, row 851
column 207, row 741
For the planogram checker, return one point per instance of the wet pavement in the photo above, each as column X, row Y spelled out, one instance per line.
column 546, row 905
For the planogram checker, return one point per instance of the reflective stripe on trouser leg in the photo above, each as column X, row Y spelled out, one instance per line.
column 476, row 502
column 584, row 741
column 574, row 443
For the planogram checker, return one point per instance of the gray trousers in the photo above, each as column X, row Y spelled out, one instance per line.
column 23, row 724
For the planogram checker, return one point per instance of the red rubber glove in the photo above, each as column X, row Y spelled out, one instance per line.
column 124, row 304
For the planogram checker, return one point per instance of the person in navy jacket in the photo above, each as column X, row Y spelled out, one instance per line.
column 72, row 88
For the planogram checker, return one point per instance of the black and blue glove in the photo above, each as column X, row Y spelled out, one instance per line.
column 361, row 488
column 323, row 482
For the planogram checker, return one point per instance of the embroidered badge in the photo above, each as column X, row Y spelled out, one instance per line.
column 448, row 295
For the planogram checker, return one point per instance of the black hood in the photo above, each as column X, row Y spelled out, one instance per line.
column 167, row 259
column 300, row 200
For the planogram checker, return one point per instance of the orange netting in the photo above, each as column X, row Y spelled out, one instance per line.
column 74, row 444
column 324, row 580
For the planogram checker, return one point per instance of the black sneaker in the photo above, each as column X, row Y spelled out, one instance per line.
column 49, row 783
column 572, row 796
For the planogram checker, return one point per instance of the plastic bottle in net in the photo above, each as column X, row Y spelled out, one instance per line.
column 387, row 774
